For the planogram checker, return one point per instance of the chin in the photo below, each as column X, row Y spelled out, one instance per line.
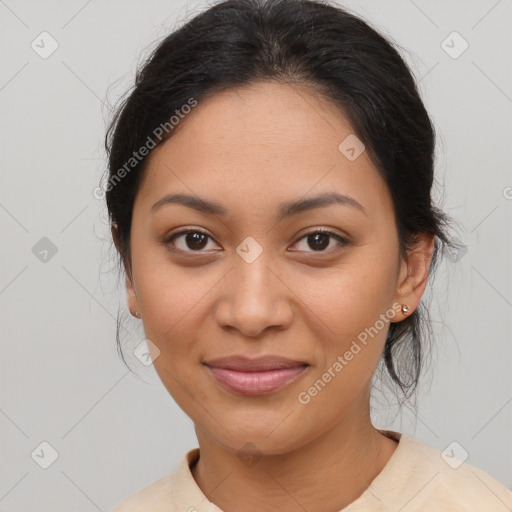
column 261, row 441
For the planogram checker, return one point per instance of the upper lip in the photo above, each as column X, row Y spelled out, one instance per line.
column 262, row 363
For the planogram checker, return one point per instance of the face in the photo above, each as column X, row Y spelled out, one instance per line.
column 254, row 279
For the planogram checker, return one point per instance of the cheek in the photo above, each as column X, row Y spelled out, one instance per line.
column 352, row 296
column 169, row 293
column 354, row 306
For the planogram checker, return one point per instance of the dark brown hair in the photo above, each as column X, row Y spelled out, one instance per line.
column 239, row 42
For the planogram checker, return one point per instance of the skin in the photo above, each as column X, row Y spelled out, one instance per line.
column 250, row 149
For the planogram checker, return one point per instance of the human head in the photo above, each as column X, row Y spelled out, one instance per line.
column 317, row 49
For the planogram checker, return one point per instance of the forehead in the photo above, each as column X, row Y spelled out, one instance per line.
column 261, row 145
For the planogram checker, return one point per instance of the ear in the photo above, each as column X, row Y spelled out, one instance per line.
column 115, row 236
column 414, row 273
column 131, row 296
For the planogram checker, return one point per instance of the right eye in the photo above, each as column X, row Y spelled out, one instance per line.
column 192, row 240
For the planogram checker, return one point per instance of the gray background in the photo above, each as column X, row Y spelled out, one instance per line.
column 62, row 381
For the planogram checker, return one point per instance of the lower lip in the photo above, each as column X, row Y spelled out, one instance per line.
column 256, row 383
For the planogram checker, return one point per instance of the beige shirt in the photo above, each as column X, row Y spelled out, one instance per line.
column 416, row 479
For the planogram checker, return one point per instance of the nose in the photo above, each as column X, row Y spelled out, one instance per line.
column 254, row 298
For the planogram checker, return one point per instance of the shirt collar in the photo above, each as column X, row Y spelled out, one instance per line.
column 189, row 497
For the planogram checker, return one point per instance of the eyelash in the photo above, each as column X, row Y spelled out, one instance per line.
column 343, row 242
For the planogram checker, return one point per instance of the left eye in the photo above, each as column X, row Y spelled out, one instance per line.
column 319, row 240
column 195, row 241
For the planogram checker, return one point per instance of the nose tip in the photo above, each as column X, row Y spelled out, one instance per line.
column 253, row 312
column 253, row 298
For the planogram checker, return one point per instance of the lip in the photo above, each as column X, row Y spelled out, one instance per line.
column 255, row 376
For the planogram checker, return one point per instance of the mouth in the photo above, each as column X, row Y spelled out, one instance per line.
column 260, row 376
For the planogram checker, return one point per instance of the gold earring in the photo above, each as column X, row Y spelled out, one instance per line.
column 136, row 313
column 405, row 309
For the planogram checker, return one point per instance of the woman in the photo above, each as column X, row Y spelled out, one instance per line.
column 270, row 198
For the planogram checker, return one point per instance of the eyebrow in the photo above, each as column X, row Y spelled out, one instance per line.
column 285, row 210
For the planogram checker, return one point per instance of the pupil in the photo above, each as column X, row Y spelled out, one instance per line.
column 319, row 237
column 196, row 240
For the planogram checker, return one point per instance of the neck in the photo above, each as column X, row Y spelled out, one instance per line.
column 327, row 473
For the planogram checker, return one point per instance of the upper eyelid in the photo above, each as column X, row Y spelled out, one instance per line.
column 326, row 230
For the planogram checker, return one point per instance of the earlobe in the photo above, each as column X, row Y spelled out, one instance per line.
column 131, row 298
column 115, row 236
column 414, row 274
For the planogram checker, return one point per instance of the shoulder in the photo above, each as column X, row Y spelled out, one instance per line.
column 153, row 497
column 176, row 492
column 441, row 480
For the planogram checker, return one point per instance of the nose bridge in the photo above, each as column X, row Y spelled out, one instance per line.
column 254, row 294
column 253, row 277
